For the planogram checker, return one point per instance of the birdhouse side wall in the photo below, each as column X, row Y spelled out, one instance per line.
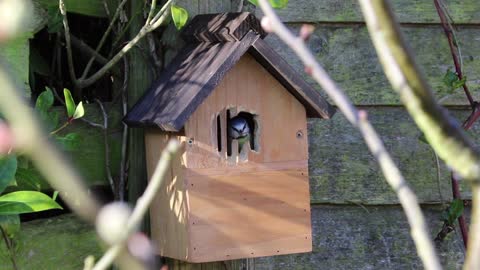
column 169, row 210
column 254, row 207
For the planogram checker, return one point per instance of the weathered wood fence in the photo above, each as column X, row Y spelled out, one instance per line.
column 357, row 222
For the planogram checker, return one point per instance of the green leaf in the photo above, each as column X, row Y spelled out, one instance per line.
column 179, row 16
column 69, row 142
column 69, row 103
column 452, row 81
column 26, row 202
column 28, row 179
column 55, row 195
column 10, row 224
column 79, row 111
column 53, row 119
column 8, row 167
column 454, row 211
column 44, row 100
column 277, row 4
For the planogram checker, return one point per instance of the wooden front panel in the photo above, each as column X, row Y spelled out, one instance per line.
column 169, row 210
column 252, row 213
column 249, row 87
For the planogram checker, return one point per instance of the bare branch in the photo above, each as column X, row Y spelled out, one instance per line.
column 71, row 68
column 158, row 20
column 441, row 130
column 107, row 148
column 142, row 206
column 123, row 162
column 104, row 38
column 407, row 198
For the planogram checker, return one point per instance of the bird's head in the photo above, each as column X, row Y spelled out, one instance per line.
column 238, row 128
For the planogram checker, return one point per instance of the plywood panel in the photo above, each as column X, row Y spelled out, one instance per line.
column 168, row 213
column 249, row 87
column 250, row 214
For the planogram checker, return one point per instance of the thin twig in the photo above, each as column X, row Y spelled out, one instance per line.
column 71, row 68
column 153, row 5
column 153, row 52
column 10, row 248
column 472, row 261
column 123, row 162
column 142, row 206
column 442, row 132
column 457, row 60
column 108, row 169
column 83, row 47
column 406, row 196
column 104, row 38
column 158, row 20
column 452, row 41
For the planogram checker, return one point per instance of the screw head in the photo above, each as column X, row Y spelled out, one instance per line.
column 190, row 141
column 299, row 134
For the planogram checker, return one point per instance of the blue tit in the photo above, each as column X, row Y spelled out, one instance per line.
column 238, row 129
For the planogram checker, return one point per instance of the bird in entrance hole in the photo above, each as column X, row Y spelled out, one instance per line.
column 239, row 129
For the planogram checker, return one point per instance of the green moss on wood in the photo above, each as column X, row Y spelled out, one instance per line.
column 348, row 55
column 342, row 170
column 419, row 11
column 352, row 237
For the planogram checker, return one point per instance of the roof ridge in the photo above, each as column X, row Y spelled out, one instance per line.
column 222, row 27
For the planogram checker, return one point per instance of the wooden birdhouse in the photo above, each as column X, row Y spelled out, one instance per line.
column 239, row 188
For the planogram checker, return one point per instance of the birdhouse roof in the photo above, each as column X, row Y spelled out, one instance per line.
column 215, row 43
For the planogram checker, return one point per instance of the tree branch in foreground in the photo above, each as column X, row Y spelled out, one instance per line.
column 442, row 132
column 406, row 196
column 133, row 222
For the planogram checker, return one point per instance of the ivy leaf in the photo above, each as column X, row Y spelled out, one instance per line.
column 44, row 101
column 8, row 167
column 452, row 81
column 69, row 103
column 454, row 211
column 277, row 4
column 79, row 111
column 69, row 142
column 10, row 224
column 53, row 119
column 26, row 202
column 179, row 16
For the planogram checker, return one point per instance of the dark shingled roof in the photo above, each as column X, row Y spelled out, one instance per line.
column 215, row 43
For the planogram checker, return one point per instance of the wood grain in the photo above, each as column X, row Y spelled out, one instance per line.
column 169, row 210
column 413, row 11
column 352, row 237
column 342, row 170
column 349, row 57
column 231, row 216
column 249, row 87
